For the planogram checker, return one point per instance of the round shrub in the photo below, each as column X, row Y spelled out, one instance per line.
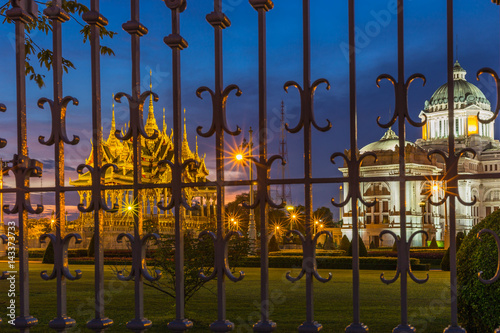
column 478, row 305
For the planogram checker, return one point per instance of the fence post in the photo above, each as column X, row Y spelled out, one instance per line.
column 22, row 14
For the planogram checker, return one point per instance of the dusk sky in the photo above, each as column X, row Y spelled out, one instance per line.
column 476, row 24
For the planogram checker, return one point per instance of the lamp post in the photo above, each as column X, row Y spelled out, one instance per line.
column 252, row 232
column 446, row 229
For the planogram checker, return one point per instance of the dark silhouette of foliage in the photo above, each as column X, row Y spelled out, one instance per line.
column 478, row 306
column 362, row 249
column 48, row 256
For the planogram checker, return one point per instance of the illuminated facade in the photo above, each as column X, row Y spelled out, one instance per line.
column 153, row 151
column 469, row 133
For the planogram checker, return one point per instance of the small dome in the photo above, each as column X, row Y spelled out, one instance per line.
column 465, row 94
column 388, row 142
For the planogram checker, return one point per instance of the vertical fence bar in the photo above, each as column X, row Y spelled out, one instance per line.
column 451, row 175
column 356, row 326
column 135, row 131
column 58, row 138
column 263, row 166
column 401, row 115
column 403, row 327
column 219, row 21
column 309, row 241
column 96, row 22
column 177, row 43
column 22, row 15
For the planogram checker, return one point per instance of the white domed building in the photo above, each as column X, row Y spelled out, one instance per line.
column 420, row 215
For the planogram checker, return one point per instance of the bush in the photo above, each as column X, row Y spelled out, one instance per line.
column 395, row 245
column 333, row 263
column 445, row 263
column 273, row 244
column 299, row 253
column 90, row 251
column 434, row 244
column 478, row 306
column 329, row 244
column 372, row 245
column 362, row 249
column 345, row 244
column 48, row 257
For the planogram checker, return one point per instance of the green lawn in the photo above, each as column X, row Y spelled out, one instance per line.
column 428, row 312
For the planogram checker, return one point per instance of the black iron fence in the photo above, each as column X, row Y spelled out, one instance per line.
column 23, row 12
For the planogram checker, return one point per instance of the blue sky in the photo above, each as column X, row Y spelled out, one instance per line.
column 476, row 24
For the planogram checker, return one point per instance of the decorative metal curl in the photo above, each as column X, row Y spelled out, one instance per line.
column 61, row 246
column 353, row 166
column 403, row 267
column 401, row 109
column 183, row 200
column 221, row 251
column 102, row 203
column 139, row 123
column 174, row 4
column 219, row 102
column 5, row 240
column 307, row 95
column 487, row 70
column 144, row 268
column 3, row 142
column 497, row 240
column 267, row 198
column 449, row 161
column 22, row 171
column 58, row 121
column 309, row 264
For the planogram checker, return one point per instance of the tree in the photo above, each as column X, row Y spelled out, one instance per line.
column 434, row 244
column 325, row 215
column 42, row 24
column 345, row 244
column 197, row 255
column 48, row 256
column 329, row 244
column 445, row 263
column 273, row 244
column 478, row 306
column 362, row 249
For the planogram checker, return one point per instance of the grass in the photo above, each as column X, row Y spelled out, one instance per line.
column 380, row 308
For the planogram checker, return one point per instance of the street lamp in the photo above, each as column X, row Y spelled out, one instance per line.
column 240, row 157
column 436, row 189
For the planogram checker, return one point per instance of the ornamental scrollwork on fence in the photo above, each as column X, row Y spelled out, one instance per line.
column 403, row 264
column 144, row 268
column 102, row 204
column 221, row 250
column 309, row 264
column 61, row 247
column 401, row 92
column 173, row 200
column 494, row 75
column 497, row 240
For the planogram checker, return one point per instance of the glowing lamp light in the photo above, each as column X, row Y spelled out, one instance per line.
column 289, row 207
column 294, row 216
column 278, row 228
column 321, row 226
column 129, row 207
column 435, row 187
column 239, row 157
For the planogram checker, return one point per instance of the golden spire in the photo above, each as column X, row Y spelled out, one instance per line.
column 185, row 132
column 164, row 128
column 113, row 124
column 151, row 126
column 196, row 148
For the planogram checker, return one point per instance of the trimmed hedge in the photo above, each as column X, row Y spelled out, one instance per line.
column 334, row 263
column 319, row 253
